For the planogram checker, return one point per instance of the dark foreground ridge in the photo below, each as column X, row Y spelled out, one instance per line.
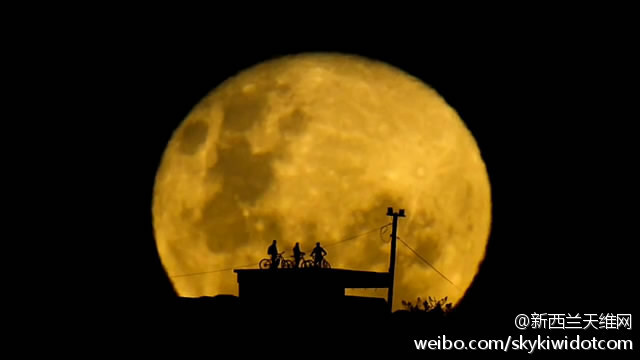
column 351, row 324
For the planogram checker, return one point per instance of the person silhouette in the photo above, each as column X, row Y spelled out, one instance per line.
column 297, row 255
column 318, row 254
column 273, row 251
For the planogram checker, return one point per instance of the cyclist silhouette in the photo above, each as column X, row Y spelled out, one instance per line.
column 273, row 251
column 318, row 254
column 297, row 255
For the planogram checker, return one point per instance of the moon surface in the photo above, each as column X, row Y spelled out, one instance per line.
column 314, row 148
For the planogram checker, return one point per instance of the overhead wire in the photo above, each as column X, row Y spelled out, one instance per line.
column 357, row 236
column 382, row 232
column 350, row 238
column 250, row 265
column 428, row 263
column 211, row 271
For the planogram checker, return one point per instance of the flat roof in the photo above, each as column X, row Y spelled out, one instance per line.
column 337, row 277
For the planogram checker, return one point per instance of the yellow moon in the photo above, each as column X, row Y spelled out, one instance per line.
column 314, row 148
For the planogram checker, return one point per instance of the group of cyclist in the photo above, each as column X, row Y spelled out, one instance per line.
column 318, row 254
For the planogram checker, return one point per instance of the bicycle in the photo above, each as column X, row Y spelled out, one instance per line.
column 308, row 264
column 284, row 263
column 324, row 264
column 304, row 263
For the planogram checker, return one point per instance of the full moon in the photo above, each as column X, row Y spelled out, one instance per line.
column 314, row 148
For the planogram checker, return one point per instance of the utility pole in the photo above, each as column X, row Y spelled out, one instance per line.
column 392, row 261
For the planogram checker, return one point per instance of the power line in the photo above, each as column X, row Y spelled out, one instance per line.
column 382, row 232
column 357, row 236
column 212, row 271
column 428, row 263
column 250, row 265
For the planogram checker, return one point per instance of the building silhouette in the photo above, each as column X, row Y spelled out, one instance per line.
column 320, row 289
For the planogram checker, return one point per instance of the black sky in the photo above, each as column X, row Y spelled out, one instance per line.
column 552, row 113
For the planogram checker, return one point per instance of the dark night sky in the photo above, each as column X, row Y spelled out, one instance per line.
column 551, row 114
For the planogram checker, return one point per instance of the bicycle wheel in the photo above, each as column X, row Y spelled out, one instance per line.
column 265, row 264
column 307, row 264
column 287, row 264
column 325, row 264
